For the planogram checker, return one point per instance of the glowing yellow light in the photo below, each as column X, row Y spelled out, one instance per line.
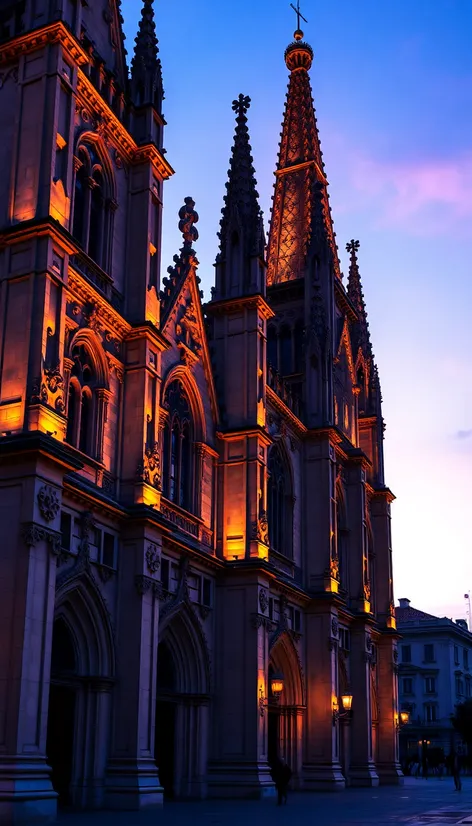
column 404, row 717
column 277, row 684
column 346, row 700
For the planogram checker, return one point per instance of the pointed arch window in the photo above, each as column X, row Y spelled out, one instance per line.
column 178, row 448
column 280, row 504
column 92, row 211
column 87, row 405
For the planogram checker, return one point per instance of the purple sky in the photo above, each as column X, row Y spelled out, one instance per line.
column 392, row 84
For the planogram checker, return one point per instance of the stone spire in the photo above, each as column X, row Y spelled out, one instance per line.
column 300, row 171
column 361, row 335
column 241, row 234
column 146, row 71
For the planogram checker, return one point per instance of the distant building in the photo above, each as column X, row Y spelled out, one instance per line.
column 434, row 675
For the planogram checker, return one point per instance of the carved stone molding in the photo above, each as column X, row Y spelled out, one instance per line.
column 48, row 502
column 144, row 584
column 263, row 599
column 149, row 470
column 153, row 560
column 259, row 621
column 334, row 627
column 33, row 533
column 260, row 529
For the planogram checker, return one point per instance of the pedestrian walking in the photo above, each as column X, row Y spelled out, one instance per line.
column 456, row 771
column 281, row 774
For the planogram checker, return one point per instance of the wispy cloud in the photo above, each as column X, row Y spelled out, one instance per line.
column 464, row 434
column 423, row 197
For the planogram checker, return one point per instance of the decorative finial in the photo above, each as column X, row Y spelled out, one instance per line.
column 241, row 105
column 352, row 247
column 298, row 34
column 188, row 217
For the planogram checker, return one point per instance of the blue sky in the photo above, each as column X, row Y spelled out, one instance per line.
column 392, row 85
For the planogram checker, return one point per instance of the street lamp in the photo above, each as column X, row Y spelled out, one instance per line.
column 402, row 719
column 346, row 701
column 276, row 689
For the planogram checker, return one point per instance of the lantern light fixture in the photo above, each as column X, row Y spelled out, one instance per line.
column 346, row 702
column 276, row 689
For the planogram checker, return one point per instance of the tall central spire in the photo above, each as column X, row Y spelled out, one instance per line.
column 300, row 168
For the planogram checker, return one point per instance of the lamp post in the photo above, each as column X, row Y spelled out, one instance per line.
column 346, row 701
column 276, row 689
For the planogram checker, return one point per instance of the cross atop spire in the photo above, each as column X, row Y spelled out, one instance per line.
column 241, row 105
column 299, row 15
column 354, row 291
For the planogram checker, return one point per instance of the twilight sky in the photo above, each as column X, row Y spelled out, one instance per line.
column 392, row 85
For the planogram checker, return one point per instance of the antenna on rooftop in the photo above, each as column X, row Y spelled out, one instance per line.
column 469, row 612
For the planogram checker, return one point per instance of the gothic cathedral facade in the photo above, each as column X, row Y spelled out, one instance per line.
column 195, row 552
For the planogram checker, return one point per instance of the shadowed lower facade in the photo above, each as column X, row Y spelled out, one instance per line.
column 192, row 500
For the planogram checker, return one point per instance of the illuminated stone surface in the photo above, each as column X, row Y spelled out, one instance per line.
column 192, row 497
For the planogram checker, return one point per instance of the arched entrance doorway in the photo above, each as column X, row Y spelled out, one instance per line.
column 285, row 724
column 182, row 706
column 82, row 676
column 61, row 712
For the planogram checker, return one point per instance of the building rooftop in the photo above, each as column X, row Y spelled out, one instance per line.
column 406, row 615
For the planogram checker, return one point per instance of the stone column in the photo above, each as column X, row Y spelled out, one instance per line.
column 362, row 769
column 321, row 768
column 388, row 764
column 238, row 766
column 27, row 592
column 132, row 777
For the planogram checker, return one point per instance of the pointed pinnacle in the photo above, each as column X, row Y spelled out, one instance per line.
column 146, row 46
column 241, row 193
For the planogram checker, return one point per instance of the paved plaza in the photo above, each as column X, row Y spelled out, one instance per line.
column 416, row 803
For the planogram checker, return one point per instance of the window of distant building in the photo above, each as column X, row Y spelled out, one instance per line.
column 429, row 653
column 430, row 685
column 456, row 655
column 280, row 503
column 466, row 658
column 459, row 686
column 430, row 713
column 406, row 653
column 467, row 687
column 178, row 447
column 407, row 685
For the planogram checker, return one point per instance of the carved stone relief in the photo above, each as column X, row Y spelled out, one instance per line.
column 48, row 502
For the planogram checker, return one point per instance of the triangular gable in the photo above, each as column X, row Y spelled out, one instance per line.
column 185, row 315
column 345, row 343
